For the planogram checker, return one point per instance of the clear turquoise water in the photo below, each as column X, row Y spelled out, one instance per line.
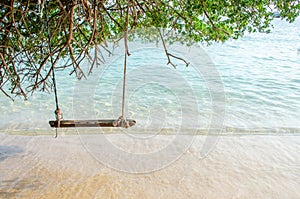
column 260, row 91
column 261, row 76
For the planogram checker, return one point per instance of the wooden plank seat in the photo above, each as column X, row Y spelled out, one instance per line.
column 90, row 123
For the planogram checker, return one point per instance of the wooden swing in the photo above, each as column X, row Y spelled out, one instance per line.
column 61, row 123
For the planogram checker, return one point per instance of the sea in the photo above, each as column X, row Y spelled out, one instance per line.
column 250, row 85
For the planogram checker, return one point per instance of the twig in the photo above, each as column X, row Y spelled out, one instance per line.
column 169, row 54
column 7, row 95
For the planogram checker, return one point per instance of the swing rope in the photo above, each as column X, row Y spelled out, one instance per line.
column 124, row 86
column 57, row 112
column 121, row 121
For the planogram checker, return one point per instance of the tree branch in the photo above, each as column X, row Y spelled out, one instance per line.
column 169, row 54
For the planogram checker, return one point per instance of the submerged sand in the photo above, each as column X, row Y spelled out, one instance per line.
column 249, row 166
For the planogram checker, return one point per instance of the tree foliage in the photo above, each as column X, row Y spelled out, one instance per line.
column 77, row 26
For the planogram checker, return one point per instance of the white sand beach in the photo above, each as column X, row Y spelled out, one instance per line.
column 248, row 166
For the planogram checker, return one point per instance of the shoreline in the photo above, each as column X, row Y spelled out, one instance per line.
column 226, row 131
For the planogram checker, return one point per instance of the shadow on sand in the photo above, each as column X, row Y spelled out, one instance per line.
column 8, row 151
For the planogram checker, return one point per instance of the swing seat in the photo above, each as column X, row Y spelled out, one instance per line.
column 88, row 123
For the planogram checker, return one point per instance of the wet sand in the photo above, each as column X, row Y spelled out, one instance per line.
column 249, row 166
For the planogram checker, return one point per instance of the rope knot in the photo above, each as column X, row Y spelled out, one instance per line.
column 121, row 122
column 58, row 114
